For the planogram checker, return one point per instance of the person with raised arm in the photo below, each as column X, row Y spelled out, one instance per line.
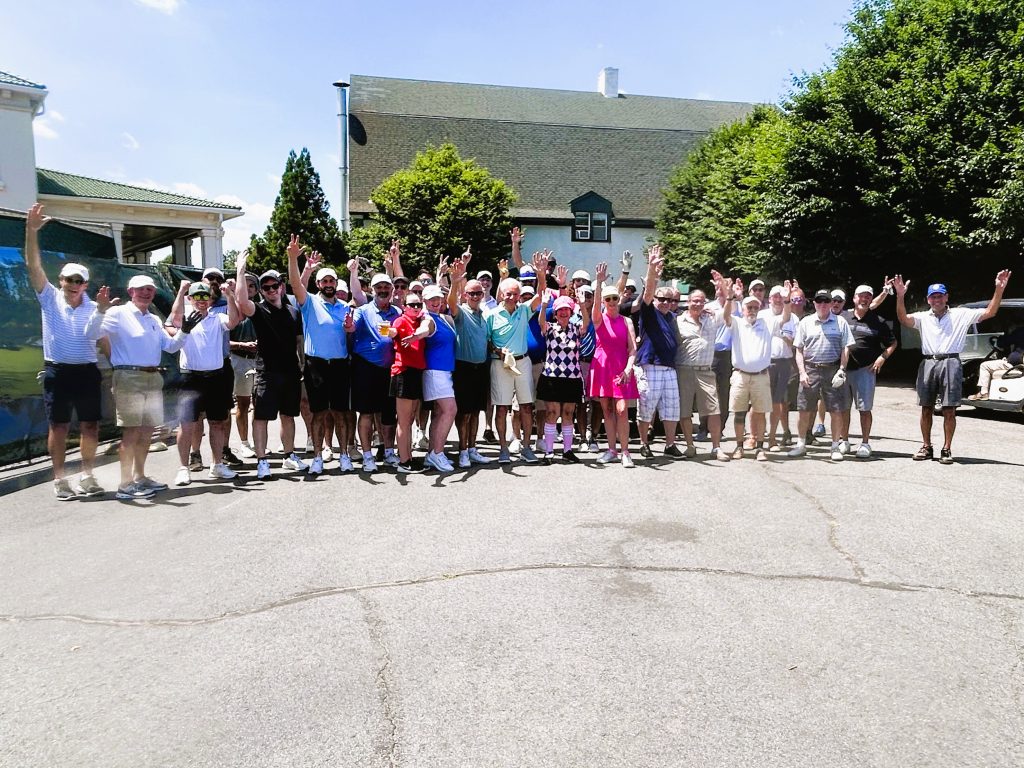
column 438, row 384
column 472, row 376
column 611, row 371
column 940, row 376
column 71, row 379
column 407, row 334
column 277, row 389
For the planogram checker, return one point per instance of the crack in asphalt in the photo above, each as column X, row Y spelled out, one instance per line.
column 382, row 680
column 316, row 594
column 833, row 525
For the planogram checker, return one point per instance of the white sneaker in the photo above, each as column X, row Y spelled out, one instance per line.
column 607, row 457
column 327, row 454
column 836, row 455
column 797, row 450
column 594, row 448
column 719, row 454
column 221, row 472
column 294, row 463
column 864, row 451
column 345, row 463
column 439, row 462
column 391, row 458
column 184, row 477
column 263, row 469
column 477, row 458
column 316, row 468
column 464, row 460
column 844, row 447
column 246, row 451
column 369, row 465
column 354, row 454
column 515, row 446
column 309, row 445
column 627, row 461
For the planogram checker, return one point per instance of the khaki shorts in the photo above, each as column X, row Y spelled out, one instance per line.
column 243, row 378
column 138, row 398
column 753, row 390
column 505, row 385
column 697, row 390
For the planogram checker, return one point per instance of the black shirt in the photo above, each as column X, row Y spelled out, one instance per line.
column 276, row 332
column 872, row 335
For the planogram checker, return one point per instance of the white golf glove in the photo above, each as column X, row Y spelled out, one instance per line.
column 627, row 261
column 839, row 379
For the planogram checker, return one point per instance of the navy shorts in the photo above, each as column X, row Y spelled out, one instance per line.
column 327, row 384
column 472, row 382
column 371, row 385
column 71, row 389
column 208, row 392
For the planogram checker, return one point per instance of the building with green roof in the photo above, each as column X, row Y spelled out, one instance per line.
column 589, row 167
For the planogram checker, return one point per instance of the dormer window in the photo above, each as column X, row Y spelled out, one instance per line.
column 592, row 215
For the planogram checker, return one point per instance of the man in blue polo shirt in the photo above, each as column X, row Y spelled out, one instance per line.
column 657, row 356
column 325, row 322
column 372, row 354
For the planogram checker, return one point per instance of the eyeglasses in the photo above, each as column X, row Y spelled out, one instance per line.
column 662, row 299
column 270, row 286
column 200, row 297
column 401, row 285
column 797, row 301
column 611, row 298
column 74, row 280
column 474, row 294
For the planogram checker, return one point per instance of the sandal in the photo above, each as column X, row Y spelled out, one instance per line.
column 924, row 453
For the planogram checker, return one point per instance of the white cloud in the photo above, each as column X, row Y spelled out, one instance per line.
column 55, row 115
column 237, row 231
column 42, row 129
column 168, row 7
column 130, row 142
column 275, row 179
column 189, row 189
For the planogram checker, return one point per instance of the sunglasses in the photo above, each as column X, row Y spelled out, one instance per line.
column 74, row 280
column 822, row 301
column 413, row 305
column 797, row 301
column 200, row 297
column 270, row 286
column 662, row 299
column 401, row 285
column 840, row 301
column 611, row 298
column 213, row 279
column 474, row 294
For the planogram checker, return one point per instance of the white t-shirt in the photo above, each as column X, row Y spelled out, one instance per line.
column 780, row 349
column 945, row 335
column 136, row 337
column 203, row 349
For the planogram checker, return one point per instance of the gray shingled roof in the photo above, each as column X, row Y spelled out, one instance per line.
column 550, row 146
column 60, row 183
column 9, row 79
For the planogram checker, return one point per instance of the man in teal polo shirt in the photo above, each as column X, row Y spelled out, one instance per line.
column 511, row 372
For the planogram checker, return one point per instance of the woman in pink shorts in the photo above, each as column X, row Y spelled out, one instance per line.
column 611, row 371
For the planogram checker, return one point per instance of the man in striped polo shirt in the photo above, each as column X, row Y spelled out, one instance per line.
column 71, row 380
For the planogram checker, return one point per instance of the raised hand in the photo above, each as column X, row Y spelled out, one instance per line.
column 654, row 254
column 458, row 270
column 353, row 268
column 294, row 247
column 313, row 260
column 626, row 261
column 229, row 287
column 183, row 287
column 466, row 255
column 899, row 285
column 737, row 289
column 34, row 219
column 1003, row 278
column 601, row 272
column 103, row 300
column 394, row 251
column 517, row 238
column 240, row 262
column 787, row 289
column 503, row 268
column 561, row 274
column 191, row 322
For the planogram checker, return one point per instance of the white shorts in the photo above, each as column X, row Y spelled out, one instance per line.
column 662, row 395
column 437, row 385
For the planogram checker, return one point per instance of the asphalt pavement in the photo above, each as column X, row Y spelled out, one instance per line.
column 796, row 612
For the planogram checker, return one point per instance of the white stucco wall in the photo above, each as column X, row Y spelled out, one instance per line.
column 584, row 255
column 17, row 150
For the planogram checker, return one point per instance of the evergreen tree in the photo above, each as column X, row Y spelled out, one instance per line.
column 301, row 208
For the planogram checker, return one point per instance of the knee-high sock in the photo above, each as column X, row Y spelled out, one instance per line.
column 549, row 437
column 566, row 438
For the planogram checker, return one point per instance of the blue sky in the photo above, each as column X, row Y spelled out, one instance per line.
column 206, row 97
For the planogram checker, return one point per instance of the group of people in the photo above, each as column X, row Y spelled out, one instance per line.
column 389, row 365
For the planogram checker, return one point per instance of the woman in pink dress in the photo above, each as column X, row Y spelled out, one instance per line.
column 611, row 371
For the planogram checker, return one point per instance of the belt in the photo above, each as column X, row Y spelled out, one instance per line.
column 65, row 365
column 501, row 357
column 752, row 373
column 779, row 359
column 696, row 367
column 955, row 355
column 143, row 368
column 326, row 359
column 833, row 364
column 203, row 374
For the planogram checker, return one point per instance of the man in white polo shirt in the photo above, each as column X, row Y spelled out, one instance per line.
column 137, row 338
column 71, row 380
column 750, row 386
column 941, row 375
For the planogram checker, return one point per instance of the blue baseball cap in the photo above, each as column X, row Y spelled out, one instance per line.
column 526, row 271
column 937, row 288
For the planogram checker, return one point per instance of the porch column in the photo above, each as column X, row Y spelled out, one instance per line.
column 117, row 230
column 181, row 250
column 213, row 248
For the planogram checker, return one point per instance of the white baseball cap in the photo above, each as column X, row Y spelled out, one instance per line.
column 581, row 274
column 432, row 292
column 212, row 271
column 752, row 300
column 325, row 272
column 775, row 291
column 755, row 283
column 71, row 268
column 863, row 289
column 380, row 277
column 141, row 281
column 838, row 294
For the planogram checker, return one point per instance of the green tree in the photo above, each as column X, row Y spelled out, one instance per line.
column 908, row 154
column 714, row 211
column 436, row 207
column 301, row 208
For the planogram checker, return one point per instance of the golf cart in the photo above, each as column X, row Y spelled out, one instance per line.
column 992, row 337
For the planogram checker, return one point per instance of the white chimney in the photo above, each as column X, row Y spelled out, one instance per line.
column 608, row 82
